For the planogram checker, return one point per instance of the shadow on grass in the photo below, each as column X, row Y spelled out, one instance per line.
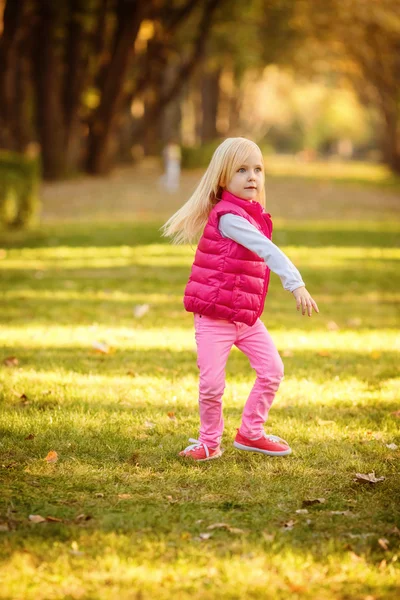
column 176, row 364
column 144, row 233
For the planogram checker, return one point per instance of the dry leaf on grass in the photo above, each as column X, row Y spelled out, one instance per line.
column 124, row 496
column 384, row 543
column 102, row 348
column 302, row 511
column 31, row 436
column 11, row 361
column 52, row 457
column 345, row 513
column 396, row 413
column 289, row 525
column 140, row 310
column 392, row 446
column 171, row 416
column 205, row 536
column 37, row 519
column 312, row 501
column 4, row 527
column 83, row 517
column 225, row 526
column 368, row 478
column 99, row 495
column 53, row 520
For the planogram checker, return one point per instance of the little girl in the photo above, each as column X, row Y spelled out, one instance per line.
column 226, row 292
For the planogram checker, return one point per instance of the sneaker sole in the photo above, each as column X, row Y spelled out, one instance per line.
column 202, row 459
column 268, row 452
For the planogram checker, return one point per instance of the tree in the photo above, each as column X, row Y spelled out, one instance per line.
column 358, row 40
column 85, row 63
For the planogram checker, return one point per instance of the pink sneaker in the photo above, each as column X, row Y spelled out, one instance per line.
column 266, row 444
column 200, row 451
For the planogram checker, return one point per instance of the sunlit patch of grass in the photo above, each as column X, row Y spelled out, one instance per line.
column 332, row 170
column 131, row 511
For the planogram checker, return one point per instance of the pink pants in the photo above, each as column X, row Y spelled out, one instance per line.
column 214, row 339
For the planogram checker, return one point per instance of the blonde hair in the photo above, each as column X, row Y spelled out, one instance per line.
column 186, row 225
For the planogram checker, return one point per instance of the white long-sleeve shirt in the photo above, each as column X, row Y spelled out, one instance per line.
column 242, row 232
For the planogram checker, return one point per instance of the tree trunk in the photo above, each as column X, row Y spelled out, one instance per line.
column 130, row 15
column 210, row 95
column 76, row 78
column 391, row 139
column 49, row 88
column 12, row 31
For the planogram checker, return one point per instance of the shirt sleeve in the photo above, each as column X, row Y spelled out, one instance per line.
column 244, row 233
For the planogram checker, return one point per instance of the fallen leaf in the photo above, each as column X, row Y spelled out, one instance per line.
column 83, row 517
column 392, row 446
column 396, row 414
column 346, row 513
column 37, row 519
column 140, row 310
column 369, row 478
column 219, row 526
column 289, row 525
column 382, row 565
column 313, row 501
column 54, row 520
column 235, row 530
column 99, row 495
column 395, row 531
column 102, row 348
column 124, row 496
column 172, row 416
column 332, row 326
column 11, row 361
column 355, row 558
column 4, row 527
column 31, row 436
column 205, row 536
column 52, row 457
column 302, row 511
column 384, row 543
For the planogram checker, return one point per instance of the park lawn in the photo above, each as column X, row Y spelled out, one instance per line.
column 133, row 519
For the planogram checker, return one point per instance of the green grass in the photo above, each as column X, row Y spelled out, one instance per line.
column 338, row 171
column 67, row 286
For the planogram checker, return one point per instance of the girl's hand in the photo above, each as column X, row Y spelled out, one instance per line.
column 304, row 300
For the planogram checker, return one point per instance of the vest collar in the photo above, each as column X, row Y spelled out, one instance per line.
column 249, row 207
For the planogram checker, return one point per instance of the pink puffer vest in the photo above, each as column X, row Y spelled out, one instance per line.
column 228, row 281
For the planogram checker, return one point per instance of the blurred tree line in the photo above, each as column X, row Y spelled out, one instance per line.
column 92, row 82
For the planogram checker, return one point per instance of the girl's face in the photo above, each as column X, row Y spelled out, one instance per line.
column 248, row 180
